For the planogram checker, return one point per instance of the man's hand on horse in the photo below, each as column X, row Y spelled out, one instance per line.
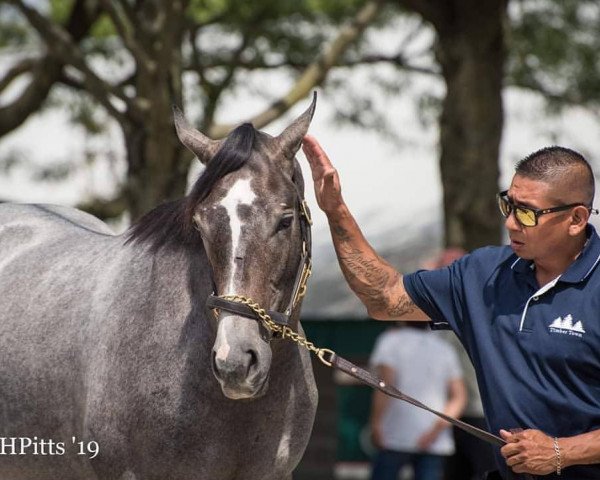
column 328, row 190
column 529, row 451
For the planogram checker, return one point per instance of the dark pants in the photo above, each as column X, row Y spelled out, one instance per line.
column 388, row 463
column 511, row 476
column 473, row 457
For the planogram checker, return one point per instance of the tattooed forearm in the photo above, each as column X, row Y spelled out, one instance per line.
column 366, row 273
column 366, row 277
column 403, row 306
column 359, row 264
column 339, row 232
column 376, row 282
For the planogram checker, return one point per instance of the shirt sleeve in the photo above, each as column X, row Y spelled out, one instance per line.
column 439, row 293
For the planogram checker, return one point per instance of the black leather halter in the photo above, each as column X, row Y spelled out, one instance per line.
column 216, row 302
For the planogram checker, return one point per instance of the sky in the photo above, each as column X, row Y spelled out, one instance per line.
column 382, row 181
column 385, row 183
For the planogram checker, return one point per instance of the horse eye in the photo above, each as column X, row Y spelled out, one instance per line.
column 285, row 222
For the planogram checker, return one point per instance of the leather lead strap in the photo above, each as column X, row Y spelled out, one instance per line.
column 366, row 377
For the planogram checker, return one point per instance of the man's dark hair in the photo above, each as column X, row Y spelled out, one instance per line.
column 559, row 165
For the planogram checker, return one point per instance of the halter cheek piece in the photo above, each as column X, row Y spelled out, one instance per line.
column 239, row 304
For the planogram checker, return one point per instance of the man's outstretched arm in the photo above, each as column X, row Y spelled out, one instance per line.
column 378, row 285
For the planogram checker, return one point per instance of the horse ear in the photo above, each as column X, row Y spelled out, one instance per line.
column 291, row 138
column 200, row 145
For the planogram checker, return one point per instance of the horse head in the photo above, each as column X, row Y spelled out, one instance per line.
column 247, row 208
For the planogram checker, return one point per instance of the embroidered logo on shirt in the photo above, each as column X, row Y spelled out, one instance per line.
column 566, row 326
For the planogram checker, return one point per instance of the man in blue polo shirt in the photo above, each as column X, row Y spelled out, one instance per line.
column 528, row 314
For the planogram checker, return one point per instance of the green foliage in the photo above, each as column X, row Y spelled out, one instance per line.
column 60, row 10
column 235, row 13
column 13, row 31
column 291, row 30
column 103, row 28
column 554, row 48
column 85, row 114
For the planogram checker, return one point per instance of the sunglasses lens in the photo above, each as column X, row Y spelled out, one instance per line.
column 525, row 216
column 504, row 206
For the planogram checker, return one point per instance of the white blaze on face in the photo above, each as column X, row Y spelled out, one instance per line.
column 239, row 194
column 223, row 349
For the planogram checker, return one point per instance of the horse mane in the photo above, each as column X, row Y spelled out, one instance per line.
column 171, row 223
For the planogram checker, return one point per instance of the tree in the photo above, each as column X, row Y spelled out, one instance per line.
column 470, row 51
column 164, row 44
column 554, row 51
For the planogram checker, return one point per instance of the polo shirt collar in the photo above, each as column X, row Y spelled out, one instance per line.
column 579, row 270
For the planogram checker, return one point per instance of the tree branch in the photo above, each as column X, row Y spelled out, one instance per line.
column 433, row 11
column 168, row 50
column 71, row 82
column 45, row 73
column 24, row 66
column 316, row 72
column 60, row 43
column 397, row 60
column 122, row 21
column 565, row 98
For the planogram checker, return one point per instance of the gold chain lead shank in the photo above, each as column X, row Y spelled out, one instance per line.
column 325, row 355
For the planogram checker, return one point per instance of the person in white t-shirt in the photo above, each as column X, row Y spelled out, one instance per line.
column 426, row 367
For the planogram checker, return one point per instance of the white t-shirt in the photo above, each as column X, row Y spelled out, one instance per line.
column 423, row 364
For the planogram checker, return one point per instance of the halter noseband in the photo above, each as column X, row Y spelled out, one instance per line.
column 240, row 305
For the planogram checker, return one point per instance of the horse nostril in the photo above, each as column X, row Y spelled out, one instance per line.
column 214, row 363
column 253, row 361
column 245, row 365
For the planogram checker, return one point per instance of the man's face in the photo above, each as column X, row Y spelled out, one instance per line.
column 548, row 237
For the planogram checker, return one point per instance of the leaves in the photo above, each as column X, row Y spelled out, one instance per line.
column 554, row 48
column 13, row 30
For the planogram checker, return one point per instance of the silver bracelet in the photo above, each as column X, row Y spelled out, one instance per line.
column 558, row 459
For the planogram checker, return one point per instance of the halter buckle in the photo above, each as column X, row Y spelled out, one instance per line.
column 304, row 276
column 326, row 356
column 305, row 211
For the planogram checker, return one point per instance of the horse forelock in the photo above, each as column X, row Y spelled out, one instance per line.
column 171, row 223
column 234, row 153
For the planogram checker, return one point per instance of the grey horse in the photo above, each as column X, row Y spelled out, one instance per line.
column 111, row 364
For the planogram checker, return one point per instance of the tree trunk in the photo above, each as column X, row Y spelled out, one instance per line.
column 157, row 169
column 157, row 163
column 471, row 53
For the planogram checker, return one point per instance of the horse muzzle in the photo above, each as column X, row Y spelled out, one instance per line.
column 241, row 359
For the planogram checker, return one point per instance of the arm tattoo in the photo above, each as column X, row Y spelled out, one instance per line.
column 403, row 306
column 340, row 232
column 366, row 274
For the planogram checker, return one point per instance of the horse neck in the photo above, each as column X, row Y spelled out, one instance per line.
column 174, row 272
